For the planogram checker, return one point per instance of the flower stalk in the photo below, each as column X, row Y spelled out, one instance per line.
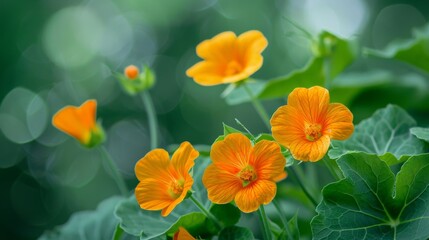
column 114, row 168
column 153, row 124
column 265, row 223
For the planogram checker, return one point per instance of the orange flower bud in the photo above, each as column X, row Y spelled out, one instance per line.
column 131, row 72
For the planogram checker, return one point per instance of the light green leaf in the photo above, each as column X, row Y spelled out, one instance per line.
column 240, row 95
column 99, row 224
column 227, row 214
column 228, row 130
column 387, row 131
column 236, row 233
column 421, row 133
column 370, row 203
column 413, row 51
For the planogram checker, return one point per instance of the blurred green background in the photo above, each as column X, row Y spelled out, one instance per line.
column 56, row 53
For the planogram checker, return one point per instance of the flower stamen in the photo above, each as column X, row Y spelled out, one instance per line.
column 247, row 175
column 313, row 131
column 176, row 188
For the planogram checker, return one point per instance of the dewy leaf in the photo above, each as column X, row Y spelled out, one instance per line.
column 421, row 133
column 371, row 204
column 99, row 224
column 413, row 51
column 236, row 233
column 150, row 224
column 387, row 131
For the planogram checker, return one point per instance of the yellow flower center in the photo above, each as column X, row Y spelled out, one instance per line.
column 233, row 67
column 247, row 175
column 313, row 131
column 176, row 188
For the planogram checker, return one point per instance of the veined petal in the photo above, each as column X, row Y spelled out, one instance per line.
column 152, row 194
column 287, row 125
column 87, row 113
column 311, row 103
column 186, row 187
column 310, row 151
column 183, row 158
column 250, row 198
column 221, row 186
column 220, row 48
column 154, row 164
column 339, row 122
column 68, row 121
column 268, row 160
column 231, row 154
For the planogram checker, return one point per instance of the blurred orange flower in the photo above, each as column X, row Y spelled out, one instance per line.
column 244, row 173
column 164, row 183
column 228, row 58
column 182, row 234
column 308, row 122
column 80, row 123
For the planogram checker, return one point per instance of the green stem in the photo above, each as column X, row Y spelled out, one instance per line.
column 258, row 106
column 207, row 213
column 264, row 219
column 153, row 125
column 304, row 189
column 116, row 174
column 331, row 169
column 283, row 218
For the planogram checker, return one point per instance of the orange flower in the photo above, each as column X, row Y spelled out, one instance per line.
column 164, row 183
column 80, row 123
column 308, row 122
column 228, row 58
column 182, row 234
column 244, row 173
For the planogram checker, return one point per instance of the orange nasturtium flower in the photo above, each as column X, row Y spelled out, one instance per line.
column 80, row 123
column 182, row 234
column 244, row 173
column 228, row 58
column 308, row 122
column 164, row 183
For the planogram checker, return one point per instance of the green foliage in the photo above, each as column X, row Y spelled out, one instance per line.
column 227, row 214
column 420, row 133
column 387, row 131
column 370, row 203
column 99, row 224
column 236, row 233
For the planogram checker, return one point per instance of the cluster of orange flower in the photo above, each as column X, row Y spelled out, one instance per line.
column 241, row 171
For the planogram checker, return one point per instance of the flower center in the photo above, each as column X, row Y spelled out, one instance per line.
column 232, row 68
column 247, row 175
column 176, row 188
column 313, row 131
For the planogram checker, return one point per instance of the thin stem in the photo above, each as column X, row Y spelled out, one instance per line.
column 153, row 125
column 264, row 219
column 331, row 169
column 283, row 218
column 296, row 179
column 116, row 174
column 258, row 106
column 207, row 213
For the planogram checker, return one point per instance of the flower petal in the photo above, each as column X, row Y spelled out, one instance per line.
column 206, row 73
column 153, row 165
column 221, row 186
column 310, row 151
column 152, row 194
column 311, row 103
column 87, row 113
column 251, row 42
column 339, row 122
column 183, row 158
column 220, row 48
column 186, row 187
column 268, row 160
column 250, row 198
column 182, row 234
column 287, row 125
column 231, row 154
column 68, row 120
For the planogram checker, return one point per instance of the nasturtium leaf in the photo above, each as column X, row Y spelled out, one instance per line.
column 370, row 203
column 413, row 51
column 227, row 214
column 236, row 233
column 420, row 133
column 150, row 224
column 240, row 94
column 386, row 131
column 228, row 130
column 99, row 224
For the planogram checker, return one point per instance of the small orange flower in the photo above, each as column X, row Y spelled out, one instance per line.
column 131, row 72
column 228, row 58
column 80, row 123
column 244, row 173
column 308, row 122
column 164, row 183
column 182, row 234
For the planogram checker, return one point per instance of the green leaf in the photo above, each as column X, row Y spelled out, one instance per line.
column 387, row 131
column 413, row 51
column 239, row 95
column 227, row 214
column 293, row 227
column 228, row 130
column 421, row 133
column 99, row 224
column 150, row 224
column 194, row 223
column 370, row 203
column 236, row 233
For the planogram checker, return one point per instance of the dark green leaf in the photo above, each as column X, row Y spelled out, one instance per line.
column 236, row 233
column 227, row 214
column 420, row 133
column 370, row 203
column 293, row 228
column 387, row 131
